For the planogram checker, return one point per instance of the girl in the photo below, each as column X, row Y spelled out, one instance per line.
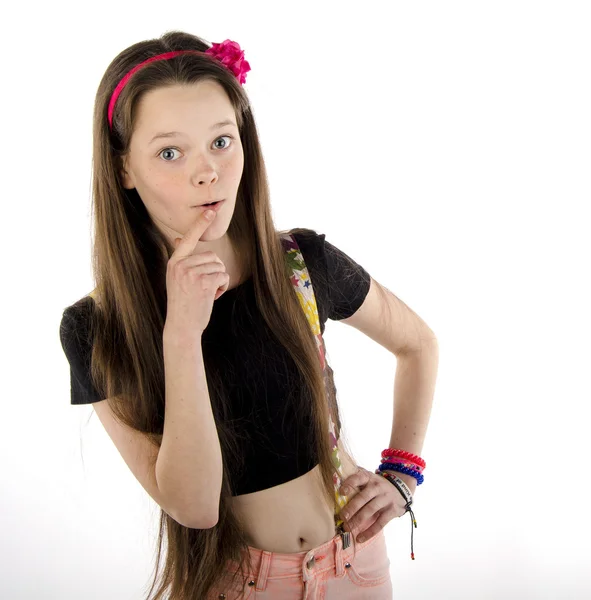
column 193, row 348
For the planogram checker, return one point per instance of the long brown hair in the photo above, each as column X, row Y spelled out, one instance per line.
column 128, row 315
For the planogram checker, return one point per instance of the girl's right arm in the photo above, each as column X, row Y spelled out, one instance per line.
column 189, row 463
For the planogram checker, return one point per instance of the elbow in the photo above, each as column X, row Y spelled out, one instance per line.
column 199, row 517
column 199, row 523
column 200, row 513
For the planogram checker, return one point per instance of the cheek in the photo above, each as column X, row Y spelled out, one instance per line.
column 162, row 189
column 234, row 167
column 161, row 199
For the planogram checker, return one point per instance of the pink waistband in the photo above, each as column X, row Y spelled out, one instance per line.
column 329, row 555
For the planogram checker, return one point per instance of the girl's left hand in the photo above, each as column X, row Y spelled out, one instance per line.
column 376, row 503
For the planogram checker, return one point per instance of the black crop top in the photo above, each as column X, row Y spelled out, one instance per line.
column 259, row 374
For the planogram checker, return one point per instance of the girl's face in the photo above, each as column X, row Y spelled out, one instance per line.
column 197, row 161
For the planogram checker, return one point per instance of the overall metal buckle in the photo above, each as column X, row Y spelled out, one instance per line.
column 345, row 536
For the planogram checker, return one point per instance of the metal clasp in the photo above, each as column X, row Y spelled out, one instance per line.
column 346, row 537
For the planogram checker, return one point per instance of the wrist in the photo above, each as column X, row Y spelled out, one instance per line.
column 410, row 481
column 175, row 336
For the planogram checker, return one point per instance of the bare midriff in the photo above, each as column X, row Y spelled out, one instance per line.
column 291, row 517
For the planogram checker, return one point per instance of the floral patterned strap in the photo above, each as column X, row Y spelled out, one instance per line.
column 305, row 292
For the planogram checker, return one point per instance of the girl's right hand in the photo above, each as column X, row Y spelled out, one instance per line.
column 193, row 281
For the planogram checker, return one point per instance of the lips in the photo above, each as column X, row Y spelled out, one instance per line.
column 214, row 206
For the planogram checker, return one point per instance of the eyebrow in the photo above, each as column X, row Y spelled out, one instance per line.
column 168, row 134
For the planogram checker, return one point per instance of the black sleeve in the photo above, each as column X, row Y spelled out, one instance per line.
column 77, row 348
column 340, row 284
column 348, row 283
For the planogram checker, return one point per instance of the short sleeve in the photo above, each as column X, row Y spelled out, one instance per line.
column 78, row 349
column 340, row 283
column 347, row 281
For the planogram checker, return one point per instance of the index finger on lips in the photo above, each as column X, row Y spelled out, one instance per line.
column 188, row 242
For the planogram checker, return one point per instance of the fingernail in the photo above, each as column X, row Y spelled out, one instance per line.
column 361, row 538
column 209, row 214
column 345, row 489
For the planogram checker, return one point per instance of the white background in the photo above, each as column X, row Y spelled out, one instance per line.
column 444, row 146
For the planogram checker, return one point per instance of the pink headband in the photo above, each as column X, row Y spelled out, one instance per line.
column 228, row 53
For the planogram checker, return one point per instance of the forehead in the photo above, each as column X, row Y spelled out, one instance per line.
column 198, row 105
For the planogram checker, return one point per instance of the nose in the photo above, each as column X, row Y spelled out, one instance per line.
column 206, row 175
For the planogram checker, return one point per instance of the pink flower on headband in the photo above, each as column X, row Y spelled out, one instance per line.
column 232, row 57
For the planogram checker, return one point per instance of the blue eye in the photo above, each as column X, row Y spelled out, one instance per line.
column 169, row 148
column 224, row 136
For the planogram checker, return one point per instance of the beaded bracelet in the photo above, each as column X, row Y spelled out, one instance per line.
column 410, row 465
column 403, row 462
